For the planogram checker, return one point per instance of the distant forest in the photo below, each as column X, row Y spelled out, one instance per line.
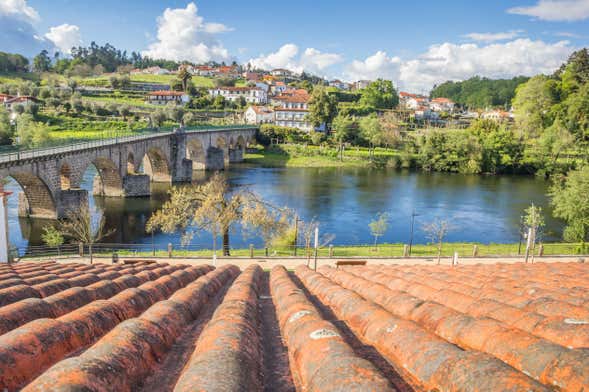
column 480, row 93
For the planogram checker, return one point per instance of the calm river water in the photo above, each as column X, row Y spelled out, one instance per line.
column 480, row 208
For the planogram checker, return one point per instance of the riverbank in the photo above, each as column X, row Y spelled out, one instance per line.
column 316, row 156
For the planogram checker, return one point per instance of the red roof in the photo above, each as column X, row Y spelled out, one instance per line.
column 261, row 109
column 483, row 327
column 237, row 88
column 442, row 100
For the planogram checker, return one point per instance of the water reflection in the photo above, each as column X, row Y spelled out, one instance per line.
column 480, row 208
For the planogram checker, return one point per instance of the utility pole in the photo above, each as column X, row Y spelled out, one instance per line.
column 413, row 215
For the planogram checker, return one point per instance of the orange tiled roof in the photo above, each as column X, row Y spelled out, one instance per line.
column 493, row 327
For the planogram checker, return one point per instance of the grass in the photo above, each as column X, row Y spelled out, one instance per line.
column 382, row 250
column 313, row 156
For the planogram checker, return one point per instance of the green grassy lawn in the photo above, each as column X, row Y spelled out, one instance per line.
column 314, row 156
column 382, row 250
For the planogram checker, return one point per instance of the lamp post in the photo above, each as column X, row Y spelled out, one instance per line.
column 413, row 215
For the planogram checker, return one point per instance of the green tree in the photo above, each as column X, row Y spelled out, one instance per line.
column 52, row 237
column 214, row 208
column 72, row 84
column 577, row 112
column 31, row 133
column 371, row 131
column 343, row 130
column 125, row 111
column 570, row 200
column 532, row 105
column 554, row 142
column 322, row 107
column 379, row 226
column 80, row 227
column 533, row 220
column 184, row 77
column 436, row 231
column 42, row 62
column 6, row 129
column 380, row 94
column 157, row 118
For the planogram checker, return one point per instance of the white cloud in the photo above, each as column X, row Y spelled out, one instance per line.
column 449, row 61
column 216, row 28
column 287, row 56
column 555, row 10
column 314, row 60
column 64, row 37
column 18, row 9
column 183, row 35
column 491, row 37
column 283, row 58
column 379, row 65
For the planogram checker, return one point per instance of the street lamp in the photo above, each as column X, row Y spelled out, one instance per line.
column 413, row 215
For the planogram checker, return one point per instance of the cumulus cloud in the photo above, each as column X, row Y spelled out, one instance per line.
column 17, row 31
column 379, row 65
column 64, row 37
column 555, row 10
column 18, row 9
column 449, row 61
column 492, row 37
column 287, row 56
column 314, row 60
column 183, row 35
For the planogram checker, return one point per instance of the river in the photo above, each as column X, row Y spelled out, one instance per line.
column 484, row 209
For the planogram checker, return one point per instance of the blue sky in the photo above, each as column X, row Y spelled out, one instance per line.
column 416, row 44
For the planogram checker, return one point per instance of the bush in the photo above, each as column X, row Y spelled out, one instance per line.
column 270, row 133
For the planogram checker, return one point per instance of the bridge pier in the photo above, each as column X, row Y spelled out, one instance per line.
column 235, row 155
column 136, row 185
column 215, row 159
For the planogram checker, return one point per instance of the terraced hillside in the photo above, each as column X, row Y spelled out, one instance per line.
column 159, row 327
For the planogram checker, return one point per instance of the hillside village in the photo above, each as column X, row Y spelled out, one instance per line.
column 276, row 96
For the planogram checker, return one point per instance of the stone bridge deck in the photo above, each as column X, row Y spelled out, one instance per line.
column 51, row 177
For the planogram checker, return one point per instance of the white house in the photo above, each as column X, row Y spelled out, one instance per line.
column 163, row 97
column 414, row 103
column 156, row 71
column 361, row 84
column 12, row 101
column 293, row 112
column 278, row 88
column 339, row 84
column 496, row 115
column 280, row 72
column 441, row 105
column 254, row 95
column 259, row 115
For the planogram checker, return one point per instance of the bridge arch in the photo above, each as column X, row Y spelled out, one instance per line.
column 37, row 199
column 130, row 163
column 156, row 165
column 241, row 142
column 196, row 153
column 65, row 177
column 108, row 181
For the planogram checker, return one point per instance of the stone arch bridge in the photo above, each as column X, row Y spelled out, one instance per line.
column 51, row 178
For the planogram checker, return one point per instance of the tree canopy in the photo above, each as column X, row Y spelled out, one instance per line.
column 479, row 93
